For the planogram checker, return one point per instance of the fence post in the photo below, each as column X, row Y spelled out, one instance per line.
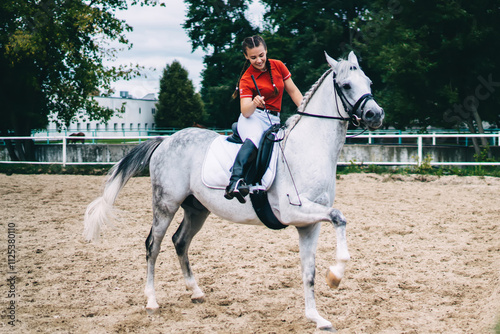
column 419, row 143
column 64, row 153
column 433, row 139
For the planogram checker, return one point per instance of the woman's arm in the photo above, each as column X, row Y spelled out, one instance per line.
column 293, row 91
column 248, row 105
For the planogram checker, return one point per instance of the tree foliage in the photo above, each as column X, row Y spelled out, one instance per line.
column 51, row 61
column 178, row 105
column 436, row 61
column 296, row 32
column 217, row 27
column 433, row 62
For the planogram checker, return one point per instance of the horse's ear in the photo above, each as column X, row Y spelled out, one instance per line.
column 332, row 62
column 352, row 58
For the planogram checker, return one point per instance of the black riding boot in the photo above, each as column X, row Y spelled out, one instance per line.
column 237, row 186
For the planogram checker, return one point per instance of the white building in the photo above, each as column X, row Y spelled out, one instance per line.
column 137, row 119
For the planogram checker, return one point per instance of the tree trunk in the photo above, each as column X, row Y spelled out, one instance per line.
column 12, row 150
column 480, row 129
column 475, row 143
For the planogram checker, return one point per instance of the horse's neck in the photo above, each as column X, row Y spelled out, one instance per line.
column 325, row 136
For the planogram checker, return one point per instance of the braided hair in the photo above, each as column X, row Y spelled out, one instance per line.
column 250, row 43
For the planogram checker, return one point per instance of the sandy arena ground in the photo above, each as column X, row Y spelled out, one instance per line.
column 425, row 259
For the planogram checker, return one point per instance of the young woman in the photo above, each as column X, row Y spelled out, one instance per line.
column 258, row 113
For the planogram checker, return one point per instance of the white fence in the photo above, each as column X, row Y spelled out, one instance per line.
column 418, row 138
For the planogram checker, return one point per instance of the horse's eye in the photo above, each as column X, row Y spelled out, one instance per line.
column 346, row 86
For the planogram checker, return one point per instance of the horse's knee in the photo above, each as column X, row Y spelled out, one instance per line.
column 338, row 218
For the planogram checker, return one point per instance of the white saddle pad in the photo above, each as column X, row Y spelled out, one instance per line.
column 220, row 158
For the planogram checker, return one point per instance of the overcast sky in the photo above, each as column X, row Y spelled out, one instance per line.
column 158, row 39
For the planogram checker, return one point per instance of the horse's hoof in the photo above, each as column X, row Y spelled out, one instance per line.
column 332, row 280
column 327, row 329
column 325, row 326
column 198, row 300
column 152, row 311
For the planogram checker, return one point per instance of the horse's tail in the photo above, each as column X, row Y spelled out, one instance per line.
column 100, row 211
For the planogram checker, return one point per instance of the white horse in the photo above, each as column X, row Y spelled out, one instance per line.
column 313, row 140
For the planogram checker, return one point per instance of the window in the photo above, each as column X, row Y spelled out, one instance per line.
column 78, row 126
column 146, row 126
column 139, row 110
column 115, row 126
column 138, row 126
column 88, row 126
column 123, row 126
column 131, row 126
column 97, row 127
column 153, row 110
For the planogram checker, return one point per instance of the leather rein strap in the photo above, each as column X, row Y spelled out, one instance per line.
column 351, row 109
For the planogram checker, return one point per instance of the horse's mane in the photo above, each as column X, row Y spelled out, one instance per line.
column 313, row 90
column 343, row 70
column 293, row 120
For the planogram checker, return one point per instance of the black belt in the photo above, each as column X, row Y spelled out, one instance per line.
column 272, row 112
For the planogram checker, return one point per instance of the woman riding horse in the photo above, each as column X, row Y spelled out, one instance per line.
column 258, row 112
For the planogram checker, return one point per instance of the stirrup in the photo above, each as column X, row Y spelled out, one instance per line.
column 239, row 191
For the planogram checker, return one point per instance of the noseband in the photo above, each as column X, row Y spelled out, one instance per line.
column 348, row 107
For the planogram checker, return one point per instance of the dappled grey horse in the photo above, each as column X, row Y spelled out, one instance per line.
column 309, row 151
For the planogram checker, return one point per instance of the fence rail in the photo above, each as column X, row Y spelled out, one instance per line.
column 418, row 139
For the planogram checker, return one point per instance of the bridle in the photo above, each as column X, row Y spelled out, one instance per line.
column 348, row 107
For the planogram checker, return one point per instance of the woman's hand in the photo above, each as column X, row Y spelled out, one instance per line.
column 258, row 102
column 248, row 105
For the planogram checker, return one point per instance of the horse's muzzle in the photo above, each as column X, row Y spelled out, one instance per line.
column 373, row 115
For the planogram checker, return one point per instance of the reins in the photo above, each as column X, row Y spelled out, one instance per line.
column 348, row 107
column 353, row 118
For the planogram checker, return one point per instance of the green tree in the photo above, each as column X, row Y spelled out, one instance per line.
column 437, row 61
column 51, row 61
column 218, row 27
column 178, row 106
column 296, row 32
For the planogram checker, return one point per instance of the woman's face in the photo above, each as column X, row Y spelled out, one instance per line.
column 257, row 57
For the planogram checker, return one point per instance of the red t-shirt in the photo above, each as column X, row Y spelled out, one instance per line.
column 263, row 79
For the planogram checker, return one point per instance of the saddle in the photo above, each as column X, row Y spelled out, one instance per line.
column 260, row 176
column 259, row 167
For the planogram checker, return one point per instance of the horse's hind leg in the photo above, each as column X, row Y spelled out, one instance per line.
column 195, row 215
column 308, row 240
column 162, row 216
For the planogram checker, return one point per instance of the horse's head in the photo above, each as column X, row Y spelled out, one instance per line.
column 353, row 88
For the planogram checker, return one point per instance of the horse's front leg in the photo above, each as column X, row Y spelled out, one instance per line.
column 308, row 240
column 311, row 213
column 335, row 273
